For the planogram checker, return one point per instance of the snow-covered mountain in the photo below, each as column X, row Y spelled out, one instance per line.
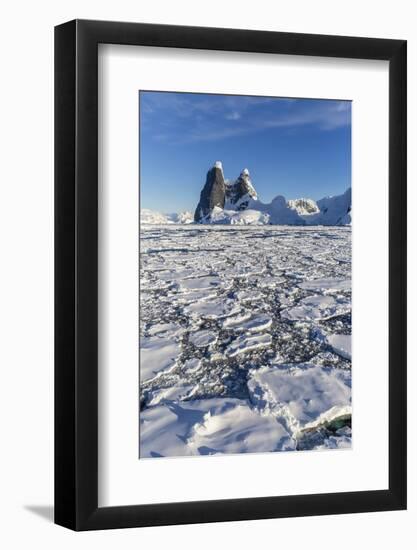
column 183, row 217
column 335, row 210
column 304, row 207
column 240, row 193
column 225, row 202
column 150, row 217
column 279, row 213
column 237, row 203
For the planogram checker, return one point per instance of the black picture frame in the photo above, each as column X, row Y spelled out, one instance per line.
column 76, row 272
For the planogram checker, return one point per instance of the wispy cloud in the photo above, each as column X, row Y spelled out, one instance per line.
column 233, row 116
column 187, row 118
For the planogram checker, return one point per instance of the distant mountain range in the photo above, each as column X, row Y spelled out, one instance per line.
column 157, row 218
column 236, row 202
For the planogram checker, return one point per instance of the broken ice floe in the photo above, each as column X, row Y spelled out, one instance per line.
column 168, row 395
column 341, row 343
column 212, row 309
column 314, row 308
column 200, row 283
column 165, row 329
column 156, row 355
column 304, row 396
column 256, row 323
column 244, row 344
column 270, row 282
column 248, row 296
column 202, row 338
column 236, row 320
column 327, row 285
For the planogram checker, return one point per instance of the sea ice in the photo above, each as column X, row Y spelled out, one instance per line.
column 168, row 395
column 229, row 312
column 178, row 275
column 317, row 307
column 156, row 355
column 257, row 323
column 301, row 394
column 195, row 296
column 270, row 282
column 202, row 338
column 326, row 285
column 212, row 309
column 248, row 296
column 166, row 329
column 200, row 283
column 235, row 321
column 244, row 344
column 341, row 344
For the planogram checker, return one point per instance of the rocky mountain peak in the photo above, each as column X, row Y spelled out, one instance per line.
column 213, row 193
column 240, row 193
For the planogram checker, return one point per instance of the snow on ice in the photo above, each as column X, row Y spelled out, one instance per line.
column 341, row 343
column 208, row 427
column 156, row 355
column 305, row 396
column 317, row 307
column 202, row 338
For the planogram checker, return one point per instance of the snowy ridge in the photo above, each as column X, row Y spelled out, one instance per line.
column 333, row 210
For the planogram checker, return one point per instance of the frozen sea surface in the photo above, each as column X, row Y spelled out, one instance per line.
column 245, row 339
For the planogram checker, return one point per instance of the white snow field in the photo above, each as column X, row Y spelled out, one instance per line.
column 245, row 339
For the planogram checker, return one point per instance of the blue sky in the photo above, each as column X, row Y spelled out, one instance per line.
column 292, row 147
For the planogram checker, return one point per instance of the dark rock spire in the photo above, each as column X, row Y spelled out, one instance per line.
column 213, row 193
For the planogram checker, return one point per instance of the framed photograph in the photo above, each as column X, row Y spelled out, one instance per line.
column 230, row 254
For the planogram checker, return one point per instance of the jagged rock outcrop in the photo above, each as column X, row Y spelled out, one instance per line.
column 213, row 193
column 304, row 207
column 240, row 193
